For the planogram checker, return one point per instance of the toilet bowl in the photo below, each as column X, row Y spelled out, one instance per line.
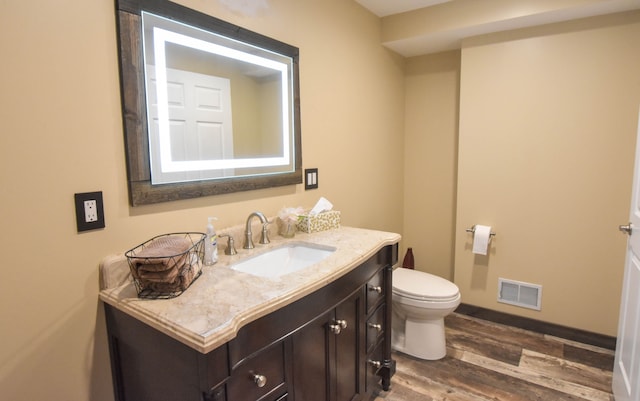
column 420, row 303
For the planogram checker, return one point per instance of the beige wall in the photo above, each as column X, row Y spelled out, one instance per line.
column 431, row 127
column 62, row 134
column 548, row 120
column 547, row 131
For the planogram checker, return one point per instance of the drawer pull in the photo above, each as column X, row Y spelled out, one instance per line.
column 376, row 326
column 375, row 364
column 259, row 380
column 338, row 326
column 376, row 288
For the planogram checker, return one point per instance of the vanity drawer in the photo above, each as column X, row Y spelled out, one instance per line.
column 375, row 290
column 258, row 376
column 375, row 327
column 374, row 363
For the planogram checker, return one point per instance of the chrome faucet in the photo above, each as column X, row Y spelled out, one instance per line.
column 264, row 239
column 231, row 247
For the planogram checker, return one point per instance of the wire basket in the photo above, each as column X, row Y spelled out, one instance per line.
column 166, row 265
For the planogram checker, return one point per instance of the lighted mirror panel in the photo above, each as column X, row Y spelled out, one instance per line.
column 209, row 107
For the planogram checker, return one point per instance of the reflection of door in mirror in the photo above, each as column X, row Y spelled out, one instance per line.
column 200, row 123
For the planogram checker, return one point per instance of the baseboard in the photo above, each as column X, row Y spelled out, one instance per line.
column 538, row 326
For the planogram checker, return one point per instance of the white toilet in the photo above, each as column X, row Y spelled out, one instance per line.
column 420, row 303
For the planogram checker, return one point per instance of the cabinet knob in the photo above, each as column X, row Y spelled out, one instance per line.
column 259, row 380
column 335, row 328
column 342, row 323
column 376, row 288
column 376, row 326
column 375, row 364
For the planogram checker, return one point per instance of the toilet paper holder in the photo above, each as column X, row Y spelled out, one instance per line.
column 472, row 230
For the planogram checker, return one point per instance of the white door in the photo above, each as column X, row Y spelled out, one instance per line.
column 626, row 371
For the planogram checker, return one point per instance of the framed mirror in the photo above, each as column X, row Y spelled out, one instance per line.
column 209, row 108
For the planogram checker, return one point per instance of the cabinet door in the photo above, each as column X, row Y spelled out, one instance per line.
column 350, row 348
column 328, row 354
column 311, row 367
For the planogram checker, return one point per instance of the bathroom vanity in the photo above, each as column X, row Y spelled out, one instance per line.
column 321, row 333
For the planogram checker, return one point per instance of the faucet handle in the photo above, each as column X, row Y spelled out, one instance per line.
column 231, row 247
column 264, row 239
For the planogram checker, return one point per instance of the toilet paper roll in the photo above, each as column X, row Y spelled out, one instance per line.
column 481, row 238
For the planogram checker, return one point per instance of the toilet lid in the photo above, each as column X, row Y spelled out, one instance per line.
column 420, row 285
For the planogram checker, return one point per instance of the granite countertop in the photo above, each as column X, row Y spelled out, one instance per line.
column 220, row 302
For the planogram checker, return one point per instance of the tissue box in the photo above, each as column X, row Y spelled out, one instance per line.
column 320, row 222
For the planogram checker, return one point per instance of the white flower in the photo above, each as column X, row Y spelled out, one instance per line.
column 290, row 214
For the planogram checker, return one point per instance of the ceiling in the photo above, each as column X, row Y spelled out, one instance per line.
column 418, row 27
column 382, row 8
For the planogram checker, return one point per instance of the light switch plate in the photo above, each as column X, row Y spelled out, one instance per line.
column 89, row 211
column 310, row 178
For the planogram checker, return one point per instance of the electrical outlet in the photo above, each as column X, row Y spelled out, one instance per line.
column 89, row 211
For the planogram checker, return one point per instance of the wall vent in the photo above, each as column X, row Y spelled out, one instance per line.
column 519, row 294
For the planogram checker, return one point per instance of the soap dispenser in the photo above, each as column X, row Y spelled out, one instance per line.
column 211, row 244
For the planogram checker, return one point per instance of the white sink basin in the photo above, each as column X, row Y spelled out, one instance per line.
column 284, row 260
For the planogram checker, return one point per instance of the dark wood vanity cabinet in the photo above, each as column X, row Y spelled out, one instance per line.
column 331, row 345
column 327, row 354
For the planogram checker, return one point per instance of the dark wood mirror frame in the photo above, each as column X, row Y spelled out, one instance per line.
column 132, row 82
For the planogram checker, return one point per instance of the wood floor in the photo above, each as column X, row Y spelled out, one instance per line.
column 490, row 361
